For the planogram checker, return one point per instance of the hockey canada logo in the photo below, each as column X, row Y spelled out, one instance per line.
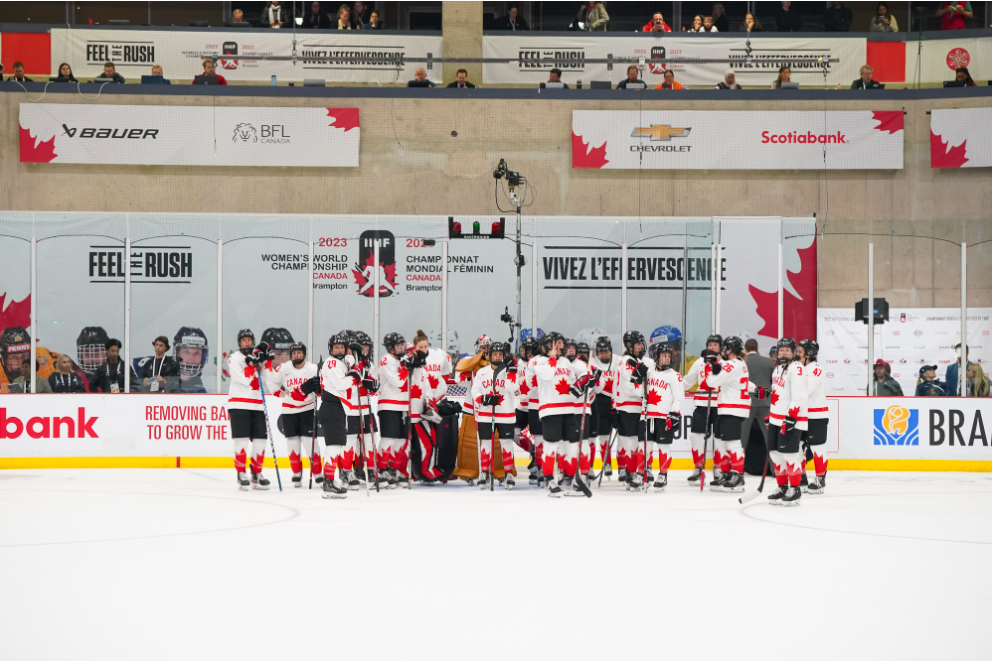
column 246, row 133
column 895, row 425
column 365, row 270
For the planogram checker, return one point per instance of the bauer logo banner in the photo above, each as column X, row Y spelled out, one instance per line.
column 961, row 138
column 681, row 140
column 189, row 135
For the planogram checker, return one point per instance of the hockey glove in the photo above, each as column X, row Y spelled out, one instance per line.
column 715, row 368
column 596, row 375
column 575, row 390
column 584, row 383
column 709, row 358
column 312, row 384
column 510, row 365
column 264, row 351
column 252, row 359
column 357, row 374
column 763, row 393
column 788, row 424
column 370, row 384
column 419, row 359
column 638, row 376
column 490, row 400
column 673, row 421
column 357, row 351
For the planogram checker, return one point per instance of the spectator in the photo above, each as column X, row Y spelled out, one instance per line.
column 720, row 17
column 698, row 24
column 316, row 19
column 597, row 18
column 963, row 76
column 884, row 384
column 928, row 385
column 65, row 74
column 977, row 383
column 865, row 80
column 669, row 82
column 275, row 15
column 760, row 373
column 512, row 21
column 420, row 79
column 157, row 71
column 374, row 22
column 632, row 80
column 709, row 24
column 161, row 374
column 952, row 372
column 24, row 381
column 209, row 71
column 579, row 23
column 110, row 375
column 730, row 84
column 345, row 18
column 110, row 71
column 19, row 74
column 65, row 379
column 750, row 24
column 360, row 14
column 954, row 15
column 773, row 353
column 837, row 18
column 883, row 21
column 461, row 81
column 555, row 76
column 237, row 16
column 786, row 19
column 783, row 76
column 656, row 24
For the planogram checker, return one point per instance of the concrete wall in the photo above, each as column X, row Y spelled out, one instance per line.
column 427, row 156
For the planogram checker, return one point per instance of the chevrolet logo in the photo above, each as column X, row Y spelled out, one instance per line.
column 657, row 132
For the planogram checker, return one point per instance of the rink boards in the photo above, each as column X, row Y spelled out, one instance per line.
column 191, row 431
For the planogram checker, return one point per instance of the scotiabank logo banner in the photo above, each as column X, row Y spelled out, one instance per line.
column 680, row 140
column 189, row 135
column 961, row 138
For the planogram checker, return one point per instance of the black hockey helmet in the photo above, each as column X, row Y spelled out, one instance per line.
column 583, row 351
column 342, row 338
column 391, row 340
column 363, row 338
column 530, row 345
column 91, row 350
column 278, row 339
column 189, row 339
column 503, row 347
column 632, row 338
column 661, row 349
column 790, row 344
column 810, row 349
column 732, row 343
column 548, row 341
column 603, row 344
column 567, row 343
column 713, row 338
column 298, row 346
column 14, row 340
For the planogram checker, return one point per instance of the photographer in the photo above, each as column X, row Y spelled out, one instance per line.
column 161, row 373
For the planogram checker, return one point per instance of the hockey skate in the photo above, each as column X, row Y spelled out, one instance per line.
column 634, row 482
column 333, row 489
column 243, row 481
column 776, row 498
column 403, row 481
column 622, row 475
column 259, row 482
column 509, row 483
column 648, row 477
column 660, row 484
column 297, row 480
column 718, row 483
column 735, row 483
column 391, row 478
column 351, row 480
column 694, row 478
column 817, row 485
column 577, row 486
column 318, row 479
column 532, row 475
column 791, row 497
column 484, row 481
column 804, row 479
column 555, row 491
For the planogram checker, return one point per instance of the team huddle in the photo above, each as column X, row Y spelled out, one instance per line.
column 553, row 400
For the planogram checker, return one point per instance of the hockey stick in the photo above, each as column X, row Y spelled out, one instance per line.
column 269, row 433
column 755, row 494
column 607, row 455
column 645, row 437
column 707, row 432
column 314, row 431
column 577, row 478
column 410, row 429
column 362, row 443
column 372, row 443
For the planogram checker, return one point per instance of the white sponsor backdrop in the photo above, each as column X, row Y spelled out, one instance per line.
column 341, row 57
column 189, row 135
column 738, row 140
column 197, row 426
column 961, row 138
column 759, row 68
column 913, row 337
column 941, row 57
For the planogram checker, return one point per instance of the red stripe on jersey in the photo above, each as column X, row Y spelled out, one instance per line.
column 244, row 400
column 398, row 402
column 288, row 405
column 617, row 404
column 777, row 416
column 559, row 405
column 734, row 406
column 483, row 414
column 820, row 409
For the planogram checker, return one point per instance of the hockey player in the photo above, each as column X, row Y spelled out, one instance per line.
column 569, row 349
column 393, row 406
column 529, row 389
column 428, row 366
column 494, row 390
column 557, row 393
column 788, row 419
column 297, row 419
column 281, row 341
column 15, row 350
column 191, row 352
column 602, row 410
column 664, row 404
column 91, row 353
column 817, row 433
column 705, row 408
column 523, row 435
column 581, row 366
column 245, row 408
column 466, row 463
column 628, row 397
column 731, row 377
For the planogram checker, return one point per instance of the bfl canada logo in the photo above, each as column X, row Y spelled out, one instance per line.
column 895, row 425
column 245, row 132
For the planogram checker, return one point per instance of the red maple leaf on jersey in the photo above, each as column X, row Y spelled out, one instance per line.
column 415, row 391
column 775, row 398
column 552, row 361
column 652, row 397
column 432, row 382
column 479, row 400
column 254, row 383
column 534, row 381
column 794, row 411
column 402, row 374
column 609, row 385
column 512, row 377
column 562, row 387
column 297, row 395
column 524, row 387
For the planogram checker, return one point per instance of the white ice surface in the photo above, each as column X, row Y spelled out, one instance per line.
column 167, row 564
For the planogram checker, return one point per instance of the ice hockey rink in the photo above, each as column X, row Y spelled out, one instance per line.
column 179, row 563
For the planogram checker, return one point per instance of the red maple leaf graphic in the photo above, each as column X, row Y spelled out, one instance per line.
column 512, row 377
column 432, row 382
column 609, row 384
column 945, row 155
column 297, row 395
column 552, row 361
column 254, row 383
column 795, row 411
column 345, row 118
column 389, row 270
column 776, row 396
column 562, row 387
column 36, row 150
column 500, row 399
column 17, row 313
column 479, row 398
column 594, row 157
column 800, row 315
column 415, row 391
column 652, row 397
column 249, row 371
column 535, row 379
column 524, row 387
column 891, row 121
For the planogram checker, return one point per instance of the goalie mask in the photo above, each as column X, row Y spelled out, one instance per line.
column 482, row 344
column 91, row 348
column 15, row 350
column 190, row 350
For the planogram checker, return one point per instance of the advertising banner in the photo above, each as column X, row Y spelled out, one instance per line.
column 755, row 62
column 189, row 135
column 738, row 140
column 913, row 337
column 941, row 57
column 961, row 138
column 340, row 57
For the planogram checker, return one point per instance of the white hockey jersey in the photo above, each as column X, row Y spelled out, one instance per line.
column 698, row 376
column 505, row 386
column 554, row 377
column 627, row 395
column 337, row 383
column 529, row 384
column 790, row 395
column 817, row 404
column 732, row 382
column 580, row 370
column 394, row 395
column 244, row 391
column 521, row 403
column 428, row 382
column 665, row 393
column 291, row 378
column 609, row 374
